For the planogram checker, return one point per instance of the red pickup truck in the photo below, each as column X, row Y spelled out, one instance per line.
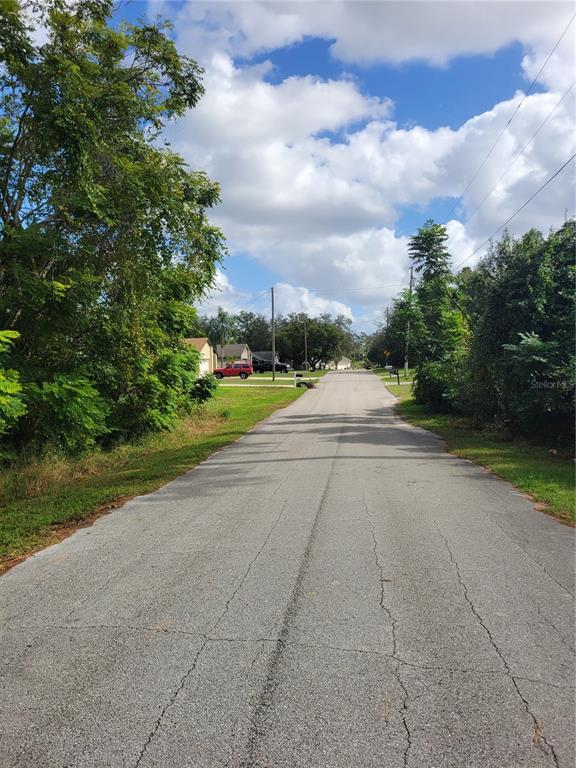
column 234, row 369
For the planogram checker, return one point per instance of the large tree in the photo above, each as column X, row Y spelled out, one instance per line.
column 521, row 366
column 254, row 330
column 428, row 251
column 444, row 327
column 324, row 337
column 219, row 328
column 96, row 215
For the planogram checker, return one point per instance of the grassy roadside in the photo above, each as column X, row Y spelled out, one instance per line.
column 265, row 379
column 548, row 478
column 385, row 375
column 42, row 502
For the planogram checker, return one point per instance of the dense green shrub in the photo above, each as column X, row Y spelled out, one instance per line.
column 204, row 388
column 438, row 384
column 12, row 406
column 66, row 413
column 538, row 391
column 520, row 372
column 495, row 342
column 150, row 389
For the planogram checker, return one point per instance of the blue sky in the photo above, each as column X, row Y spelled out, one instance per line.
column 422, row 95
column 337, row 128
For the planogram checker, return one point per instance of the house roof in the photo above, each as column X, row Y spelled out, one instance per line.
column 198, row 343
column 232, row 350
column 264, row 355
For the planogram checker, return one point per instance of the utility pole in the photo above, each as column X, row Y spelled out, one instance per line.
column 408, row 326
column 273, row 337
column 305, row 345
column 387, row 317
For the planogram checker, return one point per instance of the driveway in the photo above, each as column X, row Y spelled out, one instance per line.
column 331, row 590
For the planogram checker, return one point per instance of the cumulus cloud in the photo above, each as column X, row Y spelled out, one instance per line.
column 394, row 31
column 518, row 165
column 224, row 294
column 292, row 298
column 289, row 298
column 315, row 172
column 323, row 213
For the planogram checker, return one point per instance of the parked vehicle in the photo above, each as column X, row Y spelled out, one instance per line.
column 261, row 366
column 234, row 369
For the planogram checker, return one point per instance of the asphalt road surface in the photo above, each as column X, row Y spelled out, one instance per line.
column 331, row 590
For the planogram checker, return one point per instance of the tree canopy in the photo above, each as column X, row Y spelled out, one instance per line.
column 105, row 242
column 327, row 337
column 496, row 341
column 428, row 251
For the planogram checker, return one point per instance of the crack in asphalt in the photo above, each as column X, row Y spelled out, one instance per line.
column 170, row 702
column 108, row 581
column 297, row 643
column 380, row 571
column 532, row 559
column 393, row 623
column 250, row 564
column 264, row 699
column 404, row 716
column 234, row 727
column 538, row 739
column 555, row 628
column 206, row 636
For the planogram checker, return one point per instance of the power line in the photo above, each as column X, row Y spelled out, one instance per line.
column 336, row 289
column 259, row 295
column 287, row 289
column 512, row 116
column 520, row 152
column 501, row 227
column 255, row 298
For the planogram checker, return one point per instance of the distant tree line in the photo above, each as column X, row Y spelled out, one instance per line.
column 328, row 337
column 494, row 342
column 104, row 239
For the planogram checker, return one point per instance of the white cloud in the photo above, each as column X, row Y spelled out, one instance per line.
column 313, row 171
column 461, row 245
column 289, row 298
column 434, row 31
column 292, row 298
column 494, row 197
column 323, row 213
column 224, row 294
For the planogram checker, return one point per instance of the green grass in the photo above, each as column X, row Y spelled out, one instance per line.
column 548, row 478
column 36, row 500
column 387, row 379
column 289, row 376
column 265, row 379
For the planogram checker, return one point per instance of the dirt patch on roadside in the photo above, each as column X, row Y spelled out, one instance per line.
column 62, row 531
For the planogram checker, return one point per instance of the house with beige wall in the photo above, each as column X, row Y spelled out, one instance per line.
column 207, row 354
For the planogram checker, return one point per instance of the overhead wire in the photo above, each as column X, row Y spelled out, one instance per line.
column 337, row 289
column 520, row 152
column 510, row 119
column 475, row 175
column 516, row 212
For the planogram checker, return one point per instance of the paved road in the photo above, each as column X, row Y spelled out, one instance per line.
column 332, row 590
